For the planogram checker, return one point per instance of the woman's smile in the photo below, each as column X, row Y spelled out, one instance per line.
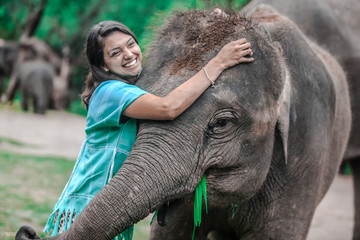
column 131, row 64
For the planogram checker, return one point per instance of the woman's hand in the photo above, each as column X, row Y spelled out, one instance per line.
column 233, row 53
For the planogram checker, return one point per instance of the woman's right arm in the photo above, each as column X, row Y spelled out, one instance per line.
column 152, row 107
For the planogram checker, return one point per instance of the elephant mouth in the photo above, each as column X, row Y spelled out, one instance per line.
column 166, row 211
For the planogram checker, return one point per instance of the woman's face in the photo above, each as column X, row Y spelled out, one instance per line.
column 122, row 55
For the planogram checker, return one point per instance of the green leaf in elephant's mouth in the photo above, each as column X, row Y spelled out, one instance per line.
column 199, row 192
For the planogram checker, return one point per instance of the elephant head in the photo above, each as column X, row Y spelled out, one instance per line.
column 231, row 127
column 237, row 134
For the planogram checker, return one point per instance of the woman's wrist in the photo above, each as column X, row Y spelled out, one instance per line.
column 213, row 69
column 216, row 64
column 208, row 77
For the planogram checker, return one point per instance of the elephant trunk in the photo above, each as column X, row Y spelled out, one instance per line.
column 149, row 177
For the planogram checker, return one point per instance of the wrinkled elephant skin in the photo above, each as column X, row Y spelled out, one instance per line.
column 333, row 25
column 269, row 137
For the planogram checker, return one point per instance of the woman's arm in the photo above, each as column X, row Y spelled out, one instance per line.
column 152, row 107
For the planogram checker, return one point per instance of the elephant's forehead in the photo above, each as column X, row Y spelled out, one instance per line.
column 248, row 97
column 225, row 98
column 224, row 95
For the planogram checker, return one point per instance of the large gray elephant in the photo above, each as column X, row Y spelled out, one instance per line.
column 333, row 25
column 269, row 137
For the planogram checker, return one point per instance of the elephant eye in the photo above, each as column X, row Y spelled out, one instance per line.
column 221, row 121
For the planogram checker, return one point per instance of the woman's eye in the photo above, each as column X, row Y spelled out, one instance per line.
column 132, row 44
column 115, row 54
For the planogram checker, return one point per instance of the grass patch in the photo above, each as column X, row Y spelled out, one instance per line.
column 29, row 188
column 16, row 142
column 12, row 142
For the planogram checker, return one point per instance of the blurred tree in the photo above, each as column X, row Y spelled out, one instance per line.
column 33, row 19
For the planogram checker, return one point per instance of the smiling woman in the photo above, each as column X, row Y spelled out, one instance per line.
column 114, row 103
column 122, row 55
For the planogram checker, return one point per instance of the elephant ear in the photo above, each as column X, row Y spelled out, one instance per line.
column 273, row 24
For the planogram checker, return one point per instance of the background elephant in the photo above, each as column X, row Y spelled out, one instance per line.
column 9, row 53
column 35, row 80
column 14, row 55
column 269, row 137
column 333, row 25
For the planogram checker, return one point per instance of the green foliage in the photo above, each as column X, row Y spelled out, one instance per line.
column 347, row 169
column 12, row 18
column 63, row 19
column 78, row 108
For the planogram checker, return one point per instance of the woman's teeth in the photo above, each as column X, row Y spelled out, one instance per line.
column 130, row 63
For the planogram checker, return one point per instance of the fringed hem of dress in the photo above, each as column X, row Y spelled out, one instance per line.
column 60, row 220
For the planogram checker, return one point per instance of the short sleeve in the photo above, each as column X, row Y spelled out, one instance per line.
column 109, row 100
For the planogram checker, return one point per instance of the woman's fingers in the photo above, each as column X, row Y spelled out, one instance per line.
column 243, row 46
column 246, row 59
column 239, row 41
column 246, row 52
column 235, row 52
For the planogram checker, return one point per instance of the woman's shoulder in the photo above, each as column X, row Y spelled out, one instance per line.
column 111, row 83
column 117, row 87
column 113, row 89
column 105, row 87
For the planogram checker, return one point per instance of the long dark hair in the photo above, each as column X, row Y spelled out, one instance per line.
column 95, row 55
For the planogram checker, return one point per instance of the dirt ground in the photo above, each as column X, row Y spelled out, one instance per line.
column 60, row 134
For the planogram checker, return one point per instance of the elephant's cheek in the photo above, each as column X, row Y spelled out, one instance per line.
column 238, row 171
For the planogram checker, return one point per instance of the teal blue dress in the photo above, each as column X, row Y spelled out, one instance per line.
column 109, row 139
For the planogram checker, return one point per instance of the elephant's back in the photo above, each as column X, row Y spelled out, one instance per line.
column 32, row 72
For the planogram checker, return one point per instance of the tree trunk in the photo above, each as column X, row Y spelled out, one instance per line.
column 32, row 21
